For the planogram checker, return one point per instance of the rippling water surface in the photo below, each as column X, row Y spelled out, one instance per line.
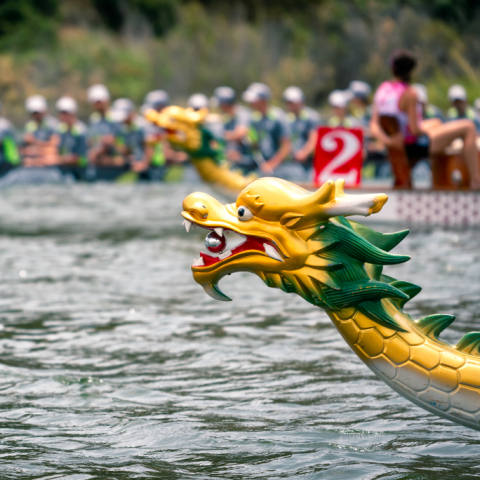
column 116, row 365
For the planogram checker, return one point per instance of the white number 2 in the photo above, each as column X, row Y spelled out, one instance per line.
column 351, row 146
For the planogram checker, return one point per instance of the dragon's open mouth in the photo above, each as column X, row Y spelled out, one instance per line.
column 242, row 245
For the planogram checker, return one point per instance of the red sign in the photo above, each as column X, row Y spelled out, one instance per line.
column 339, row 154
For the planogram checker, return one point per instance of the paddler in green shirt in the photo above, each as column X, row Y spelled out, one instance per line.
column 9, row 154
column 72, row 149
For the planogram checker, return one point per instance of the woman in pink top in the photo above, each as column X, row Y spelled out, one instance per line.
column 420, row 138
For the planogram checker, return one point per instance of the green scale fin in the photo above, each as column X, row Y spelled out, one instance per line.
column 434, row 325
column 470, row 343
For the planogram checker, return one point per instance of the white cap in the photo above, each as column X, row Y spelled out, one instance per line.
column 294, row 95
column 457, row 92
column 66, row 104
column 121, row 109
column 339, row 98
column 360, row 89
column 36, row 103
column 157, row 98
column 257, row 91
column 476, row 104
column 422, row 93
column 98, row 93
column 198, row 101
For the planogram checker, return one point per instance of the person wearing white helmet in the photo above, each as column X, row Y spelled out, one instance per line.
column 457, row 95
column 338, row 101
column 235, row 121
column 9, row 154
column 72, row 149
column 360, row 92
column 130, row 137
column 269, row 132
column 429, row 111
column 304, row 123
column 40, row 138
column 102, row 130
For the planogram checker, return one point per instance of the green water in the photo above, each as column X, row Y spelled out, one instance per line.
column 116, row 365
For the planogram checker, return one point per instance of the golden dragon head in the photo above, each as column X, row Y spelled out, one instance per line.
column 182, row 125
column 297, row 241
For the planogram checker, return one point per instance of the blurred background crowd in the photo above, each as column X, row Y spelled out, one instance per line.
column 73, row 93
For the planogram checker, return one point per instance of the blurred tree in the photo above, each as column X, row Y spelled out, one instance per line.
column 28, row 23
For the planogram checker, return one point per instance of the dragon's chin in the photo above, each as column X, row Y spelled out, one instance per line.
column 242, row 252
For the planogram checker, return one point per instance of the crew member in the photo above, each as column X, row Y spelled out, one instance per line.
column 102, row 130
column 40, row 138
column 9, row 154
column 399, row 99
column 235, row 126
column 269, row 132
column 360, row 105
column 457, row 96
column 304, row 123
column 72, row 149
column 339, row 100
column 129, row 138
column 429, row 111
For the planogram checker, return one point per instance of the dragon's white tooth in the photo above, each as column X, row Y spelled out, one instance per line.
column 219, row 231
column 225, row 255
column 194, row 226
column 199, row 262
column 187, row 224
column 271, row 252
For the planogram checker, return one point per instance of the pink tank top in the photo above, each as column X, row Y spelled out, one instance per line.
column 387, row 101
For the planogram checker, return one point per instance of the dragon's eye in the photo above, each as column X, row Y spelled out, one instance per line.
column 244, row 214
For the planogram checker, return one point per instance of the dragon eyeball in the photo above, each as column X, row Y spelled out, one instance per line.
column 244, row 214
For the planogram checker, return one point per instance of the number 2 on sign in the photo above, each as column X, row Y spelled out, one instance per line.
column 350, row 149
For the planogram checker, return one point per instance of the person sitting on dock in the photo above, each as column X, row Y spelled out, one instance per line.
column 457, row 95
column 269, row 131
column 418, row 138
column 102, row 130
column 9, row 154
column 72, row 149
column 304, row 123
column 40, row 140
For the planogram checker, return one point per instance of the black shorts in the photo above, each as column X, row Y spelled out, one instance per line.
column 417, row 151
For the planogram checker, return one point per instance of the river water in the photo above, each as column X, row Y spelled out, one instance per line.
column 116, row 365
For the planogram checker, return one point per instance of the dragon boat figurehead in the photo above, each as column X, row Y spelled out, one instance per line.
column 276, row 221
column 185, row 129
column 301, row 242
column 180, row 124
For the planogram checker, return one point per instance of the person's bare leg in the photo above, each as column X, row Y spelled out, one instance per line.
column 443, row 135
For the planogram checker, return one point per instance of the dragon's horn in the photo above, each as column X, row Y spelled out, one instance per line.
column 323, row 195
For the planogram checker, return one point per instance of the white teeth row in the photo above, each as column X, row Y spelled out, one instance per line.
column 225, row 255
column 219, row 231
column 199, row 262
column 272, row 253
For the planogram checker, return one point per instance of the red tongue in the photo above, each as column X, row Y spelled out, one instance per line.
column 251, row 243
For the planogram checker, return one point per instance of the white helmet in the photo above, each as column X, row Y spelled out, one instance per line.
column 66, row 104
column 98, row 93
column 36, row 103
column 198, row 101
